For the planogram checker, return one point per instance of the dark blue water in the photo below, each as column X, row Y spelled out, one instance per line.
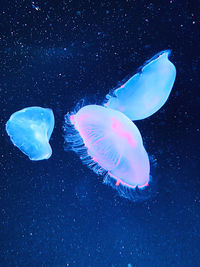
column 57, row 213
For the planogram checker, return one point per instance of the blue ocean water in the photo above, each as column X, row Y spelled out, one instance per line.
column 57, row 213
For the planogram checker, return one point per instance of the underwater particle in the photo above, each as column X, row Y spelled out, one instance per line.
column 30, row 130
column 147, row 91
column 111, row 145
column 34, row 6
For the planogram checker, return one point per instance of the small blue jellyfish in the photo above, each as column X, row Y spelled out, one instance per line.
column 147, row 91
column 30, row 130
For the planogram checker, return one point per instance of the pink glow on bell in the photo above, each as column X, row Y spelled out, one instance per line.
column 114, row 145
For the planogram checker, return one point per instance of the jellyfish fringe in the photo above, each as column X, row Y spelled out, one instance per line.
column 136, row 194
column 74, row 142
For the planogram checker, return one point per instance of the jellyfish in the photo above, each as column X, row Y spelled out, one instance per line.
column 30, row 130
column 111, row 145
column 147, row 91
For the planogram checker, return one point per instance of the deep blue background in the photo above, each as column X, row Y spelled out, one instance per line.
column 58, row 213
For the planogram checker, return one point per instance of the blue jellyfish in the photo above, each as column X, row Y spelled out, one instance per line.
column 30, row 130
column 111, row 145
column 147, row 91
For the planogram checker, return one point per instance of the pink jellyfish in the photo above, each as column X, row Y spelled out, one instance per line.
column 111, row 145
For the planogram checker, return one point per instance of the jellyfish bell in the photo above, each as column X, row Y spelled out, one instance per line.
column 111, row 145
column 147, row 91
column 30, row 130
